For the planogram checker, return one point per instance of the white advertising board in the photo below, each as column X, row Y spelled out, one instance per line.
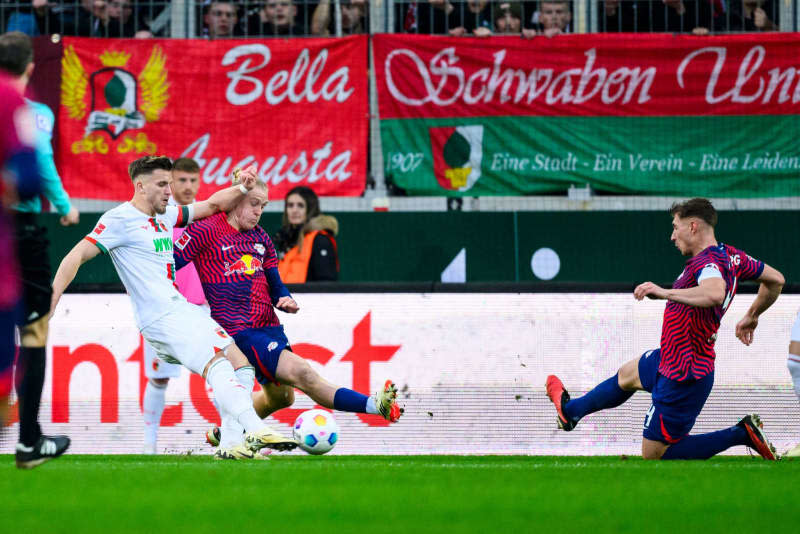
column 471, row 369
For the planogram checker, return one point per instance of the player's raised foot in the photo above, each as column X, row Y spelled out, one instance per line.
column 793, row 452
column 46, row 448
column 559, row 397
column 386, row 402
column 758, row 440
column 269, row 438
column 237, row 452
column 213, row 436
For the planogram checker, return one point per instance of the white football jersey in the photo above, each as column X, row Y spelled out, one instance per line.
column 141, row 248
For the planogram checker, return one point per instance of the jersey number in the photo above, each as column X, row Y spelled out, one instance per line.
column 649, row 416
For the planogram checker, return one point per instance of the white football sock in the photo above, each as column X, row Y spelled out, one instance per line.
column 232, row 432
column 152, row 408
column 371, row 406
column 246, row 376
column 233, row 397
column 793, row 364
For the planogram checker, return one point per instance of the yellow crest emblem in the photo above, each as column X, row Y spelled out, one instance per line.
column 118, row 101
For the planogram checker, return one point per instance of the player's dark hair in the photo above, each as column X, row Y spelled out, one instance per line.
column 16, row 53
column 185, row 165
column 312, row 202
column 695, row 207
column 148, row 164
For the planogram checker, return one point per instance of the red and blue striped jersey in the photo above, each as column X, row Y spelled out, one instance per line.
column 688, row 332
column 231, row 267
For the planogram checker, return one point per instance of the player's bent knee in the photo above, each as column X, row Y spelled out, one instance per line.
column 628, row 376
column 304, row 375
column 794, row 348
column 34, row 335
column 159, row 382
column 653, row 450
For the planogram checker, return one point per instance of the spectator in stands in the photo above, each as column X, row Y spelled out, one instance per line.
column 276, row 17
column 507, row 18
column 674, row 16
column 90, row 18
column 118, row 21
column 353, row 18
column 220, row 20
column 306, row 243
column 469, row 17
column 745, row 16
column 82, row 19
column 423, row 17
column 553, row 18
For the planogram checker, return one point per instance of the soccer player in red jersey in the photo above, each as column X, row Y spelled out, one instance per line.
column 238, row 267
column 680, row 373
column 21, row 181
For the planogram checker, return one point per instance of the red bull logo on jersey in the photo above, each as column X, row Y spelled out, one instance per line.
column 247, row 264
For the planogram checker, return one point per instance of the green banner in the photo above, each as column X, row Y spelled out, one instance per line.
column 712, row 156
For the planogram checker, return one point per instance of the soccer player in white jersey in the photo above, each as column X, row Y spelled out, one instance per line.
column 138, row 236
column 794, row 368
column 184, row 187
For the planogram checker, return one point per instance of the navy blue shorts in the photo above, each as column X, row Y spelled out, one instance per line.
column 676, row 405
column 263, row 347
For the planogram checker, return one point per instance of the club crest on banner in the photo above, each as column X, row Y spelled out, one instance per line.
column 457, row 155
column 114, row 101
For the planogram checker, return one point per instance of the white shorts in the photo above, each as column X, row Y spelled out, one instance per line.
column 796, row 328
column 155, row 367
column 187, row 336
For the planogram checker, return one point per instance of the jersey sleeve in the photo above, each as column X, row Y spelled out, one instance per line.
column 180, row 216
column 192, row 241
column 707, row 268
column 749, row 267
column 51, row 182
column 108, row 233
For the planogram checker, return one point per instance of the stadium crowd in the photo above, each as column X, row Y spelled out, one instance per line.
column 272, row 18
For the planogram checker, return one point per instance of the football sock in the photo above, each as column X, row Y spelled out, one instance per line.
column 793, row 363
column 231, row 432
column 605, row 395
column 233, row 398
column 246, row 375
column 347, row 400
column 30, row 380
column 702, row 446
column 152, row 408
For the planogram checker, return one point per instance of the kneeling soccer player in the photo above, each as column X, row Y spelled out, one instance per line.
column 237, row 265
column 680, row 373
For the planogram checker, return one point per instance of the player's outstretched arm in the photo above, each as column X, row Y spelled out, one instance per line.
column 771, row 284
column 226, row 199
column 80, row 254
column 709, row 293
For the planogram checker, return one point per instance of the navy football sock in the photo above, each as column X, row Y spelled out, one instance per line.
column 605, row 395
column 703, row 446
column 30, row 380
column 347, row 400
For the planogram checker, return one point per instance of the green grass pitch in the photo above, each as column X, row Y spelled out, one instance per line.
column 403, row 494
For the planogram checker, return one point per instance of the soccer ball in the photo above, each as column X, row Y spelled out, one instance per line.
column 316, row 431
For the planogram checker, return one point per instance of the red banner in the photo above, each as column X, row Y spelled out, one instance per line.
column 297, row 109
column 602, row 74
